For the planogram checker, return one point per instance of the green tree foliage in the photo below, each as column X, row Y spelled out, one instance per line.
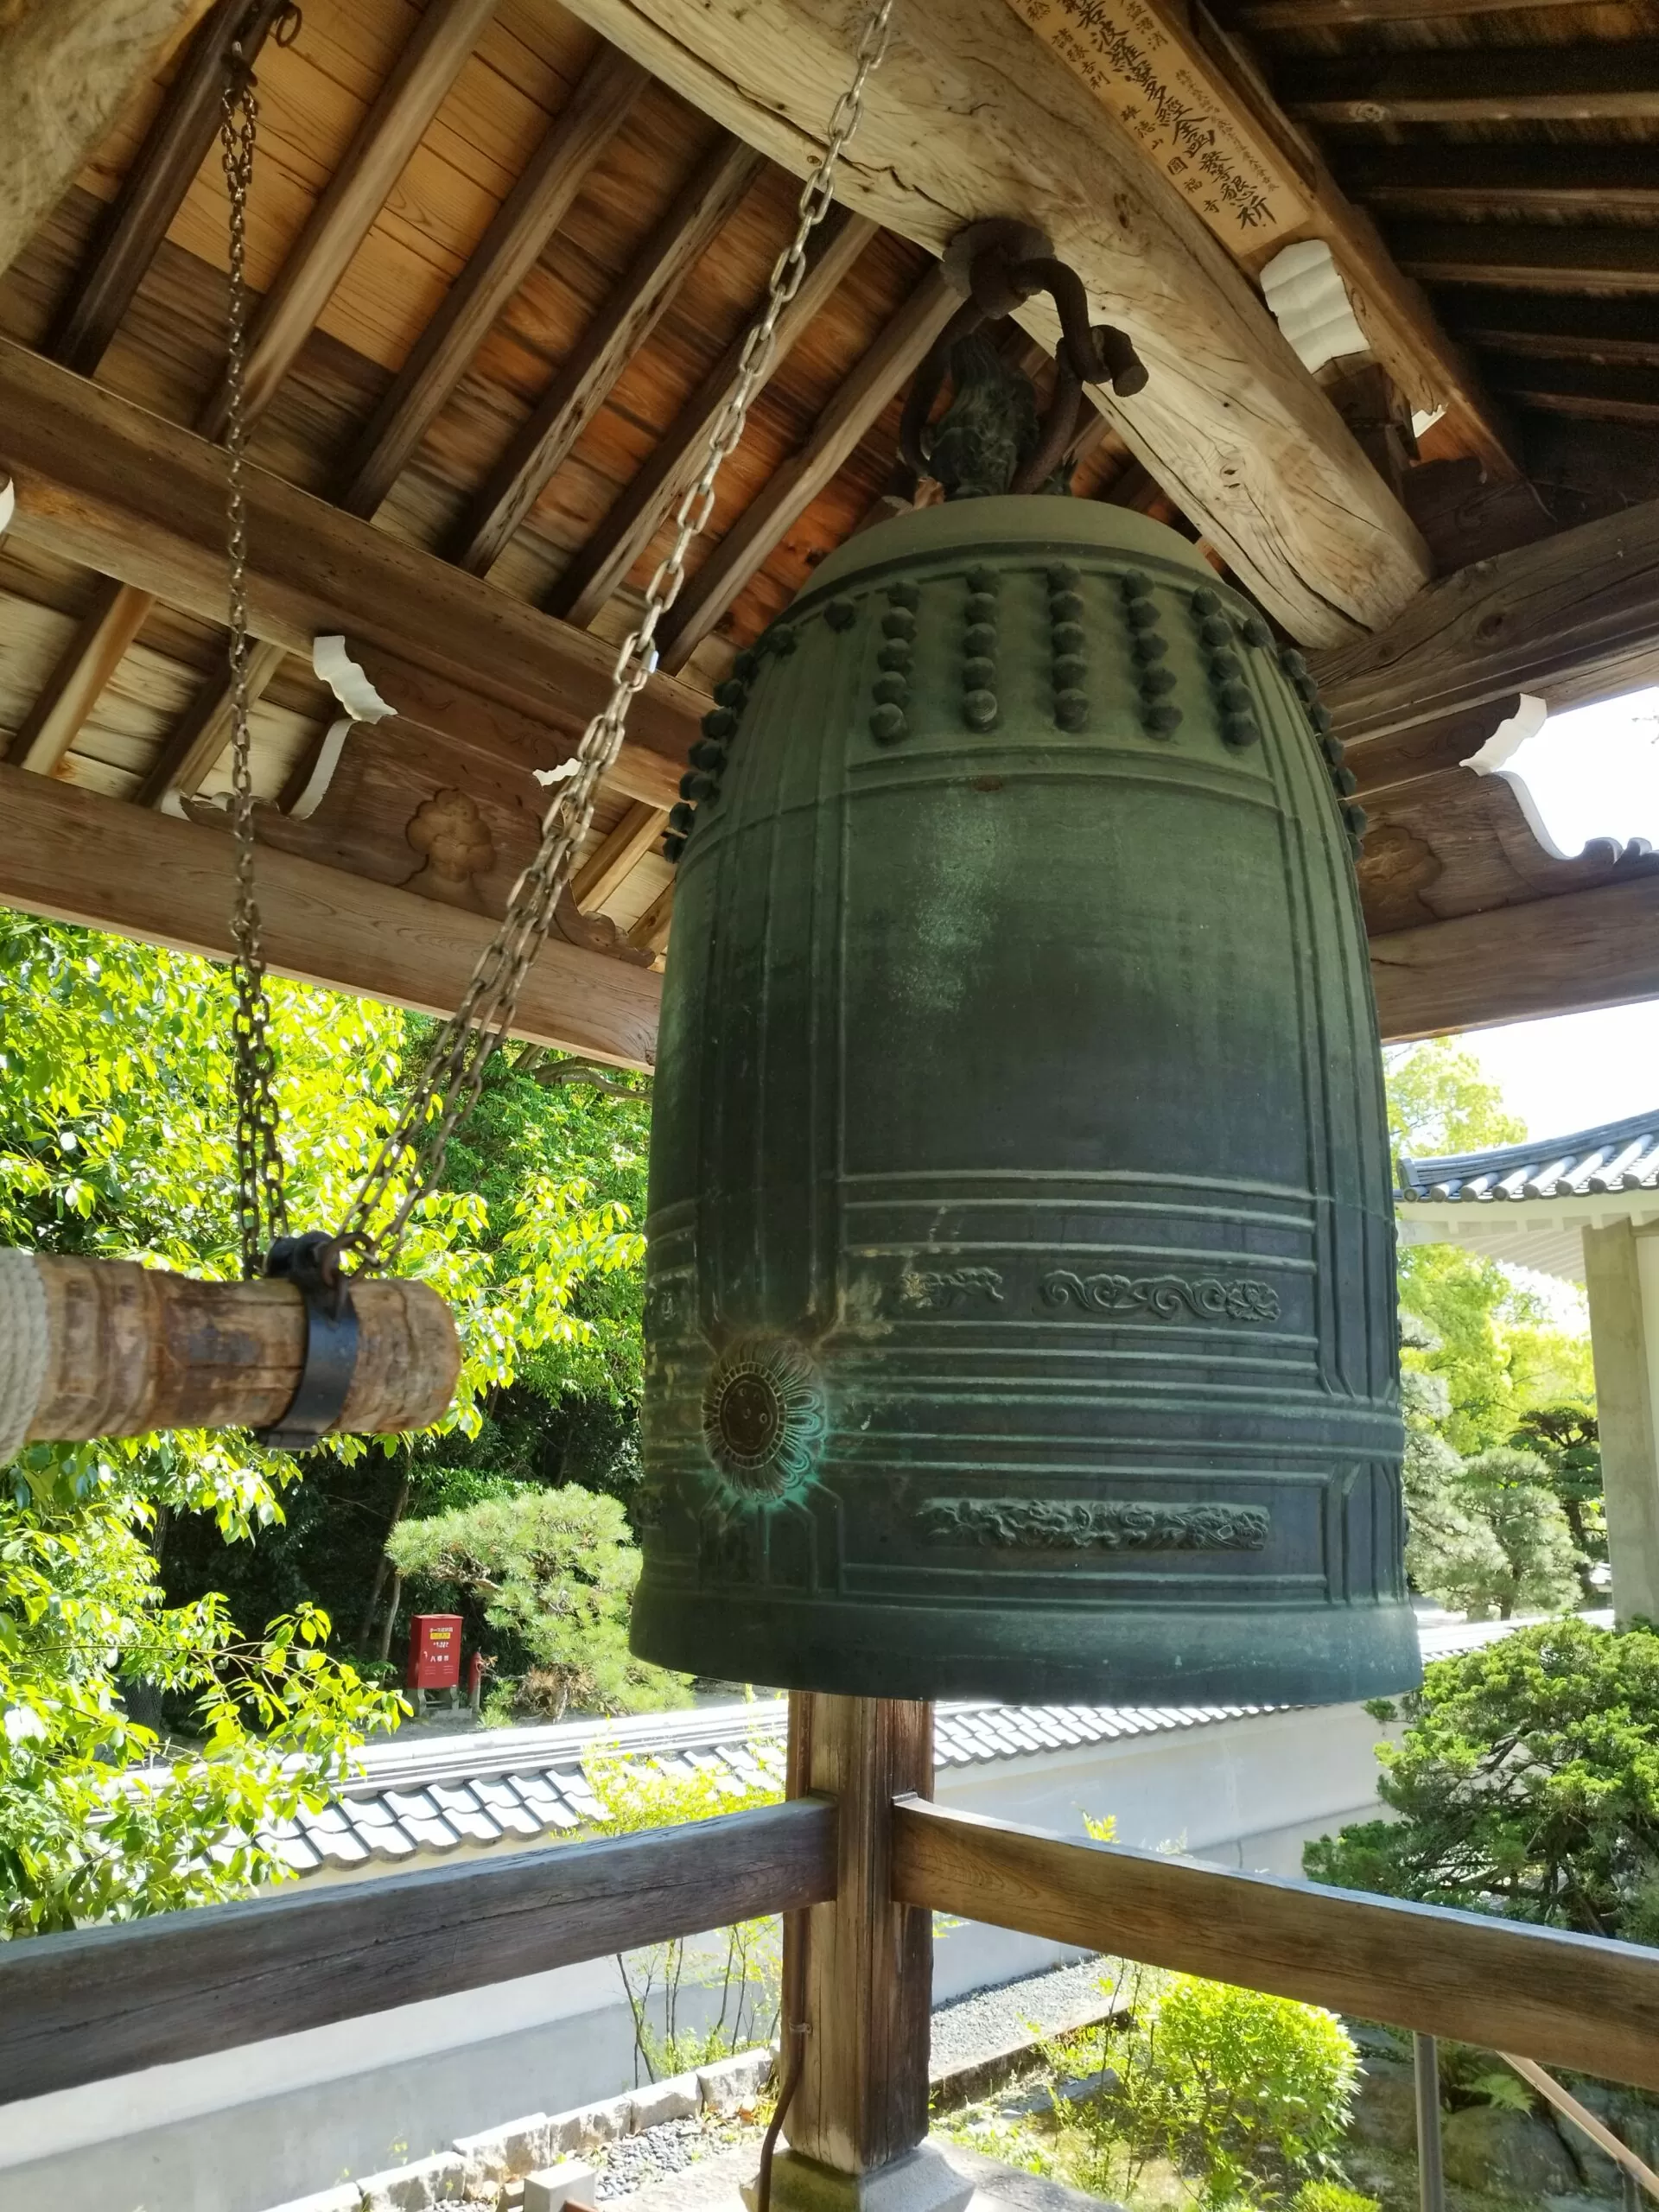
column 115, row 1121
column 1494, row 1343
column 1527, row 1784
column 1569, row 1441
column 81, row 1618
column 553, row 1571
column 1447, row 1544
column 1440, row 1101
column 1511, row 1492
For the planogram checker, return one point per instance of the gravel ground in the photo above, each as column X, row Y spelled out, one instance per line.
column 635, row 2160
column 971, row 2028
column 992, row 2019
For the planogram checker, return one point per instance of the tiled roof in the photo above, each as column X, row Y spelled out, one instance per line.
column 425, row 1797
column 1613, row 1157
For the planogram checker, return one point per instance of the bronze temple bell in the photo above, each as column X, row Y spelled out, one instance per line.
column 1020, row 1314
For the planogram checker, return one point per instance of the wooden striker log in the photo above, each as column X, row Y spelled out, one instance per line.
column 132, row 1349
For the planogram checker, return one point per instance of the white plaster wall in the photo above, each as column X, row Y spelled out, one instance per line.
column 242, row 2129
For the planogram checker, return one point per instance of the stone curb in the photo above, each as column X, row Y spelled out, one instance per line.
column 503, row 2155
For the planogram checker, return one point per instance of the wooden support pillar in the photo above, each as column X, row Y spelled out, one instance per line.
column 1621, row 1271
column 858, row 1976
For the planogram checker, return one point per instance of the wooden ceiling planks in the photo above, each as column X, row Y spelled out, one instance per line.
column 522, row 226
column 1505, row 150
column 472, row 288
column 595, row 364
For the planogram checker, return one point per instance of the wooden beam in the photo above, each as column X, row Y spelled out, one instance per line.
column 544, row 441
column 615, row 857
column 1614, row 392
column 1536, row 179
column 112, row 2000
column 438, row 707
column 106, row 485
column 1546, row 256
column 110, row 623
column 1544, row 323
column 1332, row 14
column 503, row 258
column 863, row 1964
column 191, row 747
column 177, row 143
column 972, row 113
column 79, row 857
column 67, row 68
column 1577, row 2000
column 1551, row 83
column 1570, row 618
column 1410, row 756
column 1566, row 955
column 863, row 397
column 431, row 59
column 603, row 563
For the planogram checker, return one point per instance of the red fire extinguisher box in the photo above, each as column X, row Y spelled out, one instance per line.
column 434, row 1652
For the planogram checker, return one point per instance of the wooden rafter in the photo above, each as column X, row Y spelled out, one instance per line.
column 1616, row 392
column 1533, row 178
column 192, row 745
column 420, row 76
column 1337, row 14
column 105, row 484
column 113, row 619
column 431, row 59
column 650, row 932
column 1548, row 257
column 1540, row 323
column 970, row 108
column 77, row 856
column 1548, row 83
column 587, row 380
column 67, row 67
column 603, row 563
column 522, row 225
column 177, row 143
column 883, row 372
column 614, row 859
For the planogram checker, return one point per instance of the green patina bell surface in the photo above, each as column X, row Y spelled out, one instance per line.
column 1020, row 1314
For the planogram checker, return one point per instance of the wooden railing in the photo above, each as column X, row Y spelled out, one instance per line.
column 1577, row 2000
column 108, row 2000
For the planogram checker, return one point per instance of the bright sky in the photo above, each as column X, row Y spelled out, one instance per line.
column 1591, row 772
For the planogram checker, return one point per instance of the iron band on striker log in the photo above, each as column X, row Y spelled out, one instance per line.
column 311, row 1263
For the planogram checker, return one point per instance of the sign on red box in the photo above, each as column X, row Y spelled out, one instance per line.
column 434, row 1652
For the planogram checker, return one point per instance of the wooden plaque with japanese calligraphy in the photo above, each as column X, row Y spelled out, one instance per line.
column 1158, row 86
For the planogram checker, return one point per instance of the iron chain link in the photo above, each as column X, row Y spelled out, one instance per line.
column 262, row 1215
column 410, row 1160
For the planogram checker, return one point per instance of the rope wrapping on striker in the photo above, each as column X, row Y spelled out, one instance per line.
column 24, row 1347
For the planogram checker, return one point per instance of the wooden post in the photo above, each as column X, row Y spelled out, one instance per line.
column 858, row 1978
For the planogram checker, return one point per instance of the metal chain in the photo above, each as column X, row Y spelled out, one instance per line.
column 410, row 1160
column 261, row 1213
